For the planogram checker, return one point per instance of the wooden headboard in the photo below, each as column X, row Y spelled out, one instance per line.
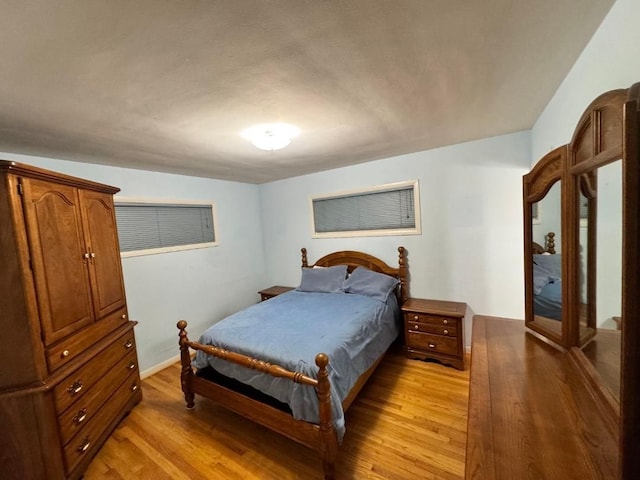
column 550, row 246
column 353, row 259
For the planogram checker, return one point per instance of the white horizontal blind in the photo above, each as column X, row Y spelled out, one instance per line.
column 389, row 209
column 146, row 226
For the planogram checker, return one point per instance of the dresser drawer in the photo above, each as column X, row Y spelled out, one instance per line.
column 430, row 319
column 88, row 437
column 74, row 419
column 434, row 343
column 67, row 349
column 75, row 386
column 446, row 330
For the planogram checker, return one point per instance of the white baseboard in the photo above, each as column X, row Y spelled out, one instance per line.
column 161, row 366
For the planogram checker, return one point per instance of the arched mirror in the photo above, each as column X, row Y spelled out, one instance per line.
column 543, row 215
column 598, row 174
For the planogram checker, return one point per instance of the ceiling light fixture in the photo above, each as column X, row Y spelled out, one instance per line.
column 271, row 136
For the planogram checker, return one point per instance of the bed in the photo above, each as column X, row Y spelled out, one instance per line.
column 547, row 280
column 315, row 348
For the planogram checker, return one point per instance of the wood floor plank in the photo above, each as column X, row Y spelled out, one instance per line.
column 408, row 422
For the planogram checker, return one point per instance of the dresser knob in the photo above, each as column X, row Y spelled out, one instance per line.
column 80, row 416
column 416, row 317
column 432, row 345
column 124, row 316
column 446, row 332
column 128, row 344
column 84, row 446
column 65, row 354
column 134, row 387
column 131, row 366
column 445, row 321
column 75, row 388
column 415, row 327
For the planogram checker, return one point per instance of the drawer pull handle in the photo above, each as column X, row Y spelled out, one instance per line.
column 446, row 332
column 65, row 354
column 134, row 387
column 84, row 446
column 131, row 366
column 124, row 316
column 445, row 321
column 80, row 416
column 416, row 317
column 93, row 255
column 127, row 344
column 432, row 345
column 75, row 388
column 86, row 255
column 415, row 327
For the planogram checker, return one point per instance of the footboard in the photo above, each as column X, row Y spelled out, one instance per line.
column 324, row 433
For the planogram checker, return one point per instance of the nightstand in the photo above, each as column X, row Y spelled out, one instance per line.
column 435, row 329
column 274, row 291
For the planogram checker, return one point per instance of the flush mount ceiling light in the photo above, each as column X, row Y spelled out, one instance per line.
column 271, row 136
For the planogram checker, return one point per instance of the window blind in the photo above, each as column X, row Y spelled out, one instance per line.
column 389, row 209
column 146, row 226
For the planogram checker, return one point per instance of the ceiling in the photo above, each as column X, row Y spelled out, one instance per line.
column 169, row 85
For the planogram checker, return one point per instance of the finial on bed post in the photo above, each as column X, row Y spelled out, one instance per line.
column 304, row 257
column 329, row 440
column 551, row 242
column 404, row 285
column 186, row 372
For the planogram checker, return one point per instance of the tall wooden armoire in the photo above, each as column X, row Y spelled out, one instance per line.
column 68, row 362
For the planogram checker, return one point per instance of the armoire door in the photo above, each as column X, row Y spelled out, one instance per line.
column 101, row 238
column 59, row 258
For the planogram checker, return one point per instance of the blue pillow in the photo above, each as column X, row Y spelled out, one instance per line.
column 324, row 280
column 363, row 281
column 542, row 275
column 553, row 263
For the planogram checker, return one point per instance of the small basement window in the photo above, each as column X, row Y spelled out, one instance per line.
column 146, row 227
column 391, row 209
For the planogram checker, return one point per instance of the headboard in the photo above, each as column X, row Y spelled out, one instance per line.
column 355, row 259
column 551, row 245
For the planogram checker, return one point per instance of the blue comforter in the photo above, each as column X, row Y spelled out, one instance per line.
column 291, row 329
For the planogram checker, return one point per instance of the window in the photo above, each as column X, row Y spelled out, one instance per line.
column 384, row 210
column 146, row 227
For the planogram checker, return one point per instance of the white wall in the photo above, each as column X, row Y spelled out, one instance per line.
column 470, row 249
column 200, row 286
column 609, row 61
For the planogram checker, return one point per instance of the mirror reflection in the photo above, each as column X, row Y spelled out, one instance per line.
column 547, row 260
column 604, row 350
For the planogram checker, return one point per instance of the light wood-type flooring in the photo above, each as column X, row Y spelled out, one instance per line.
column 409, row 422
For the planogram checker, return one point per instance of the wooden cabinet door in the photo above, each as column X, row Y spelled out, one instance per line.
column 105, row 267
column 57, row 248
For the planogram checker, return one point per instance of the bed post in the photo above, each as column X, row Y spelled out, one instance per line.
column 304, row 257
column 404, row 285
column 186, row 373
column 328, row 438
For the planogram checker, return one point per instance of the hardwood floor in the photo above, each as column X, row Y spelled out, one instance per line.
column 408, row 422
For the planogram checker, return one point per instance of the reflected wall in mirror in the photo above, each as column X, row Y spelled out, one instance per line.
column 604, row 350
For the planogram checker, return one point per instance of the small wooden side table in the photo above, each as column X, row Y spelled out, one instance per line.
column 435, row 329
column 274, row 291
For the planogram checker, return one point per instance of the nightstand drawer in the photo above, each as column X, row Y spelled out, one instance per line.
column 446, row 330
column 432, row 319
column 432, row 343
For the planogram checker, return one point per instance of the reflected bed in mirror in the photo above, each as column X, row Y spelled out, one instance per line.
column 547, row 282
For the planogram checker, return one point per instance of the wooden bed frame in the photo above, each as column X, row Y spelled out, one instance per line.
column 550, row 245
column 321, row 437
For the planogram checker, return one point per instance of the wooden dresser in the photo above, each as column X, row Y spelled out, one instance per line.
column 435, row 329
column 531, row 414
column 69, row 365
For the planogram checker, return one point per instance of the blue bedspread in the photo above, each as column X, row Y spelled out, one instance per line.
column 291, row 329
